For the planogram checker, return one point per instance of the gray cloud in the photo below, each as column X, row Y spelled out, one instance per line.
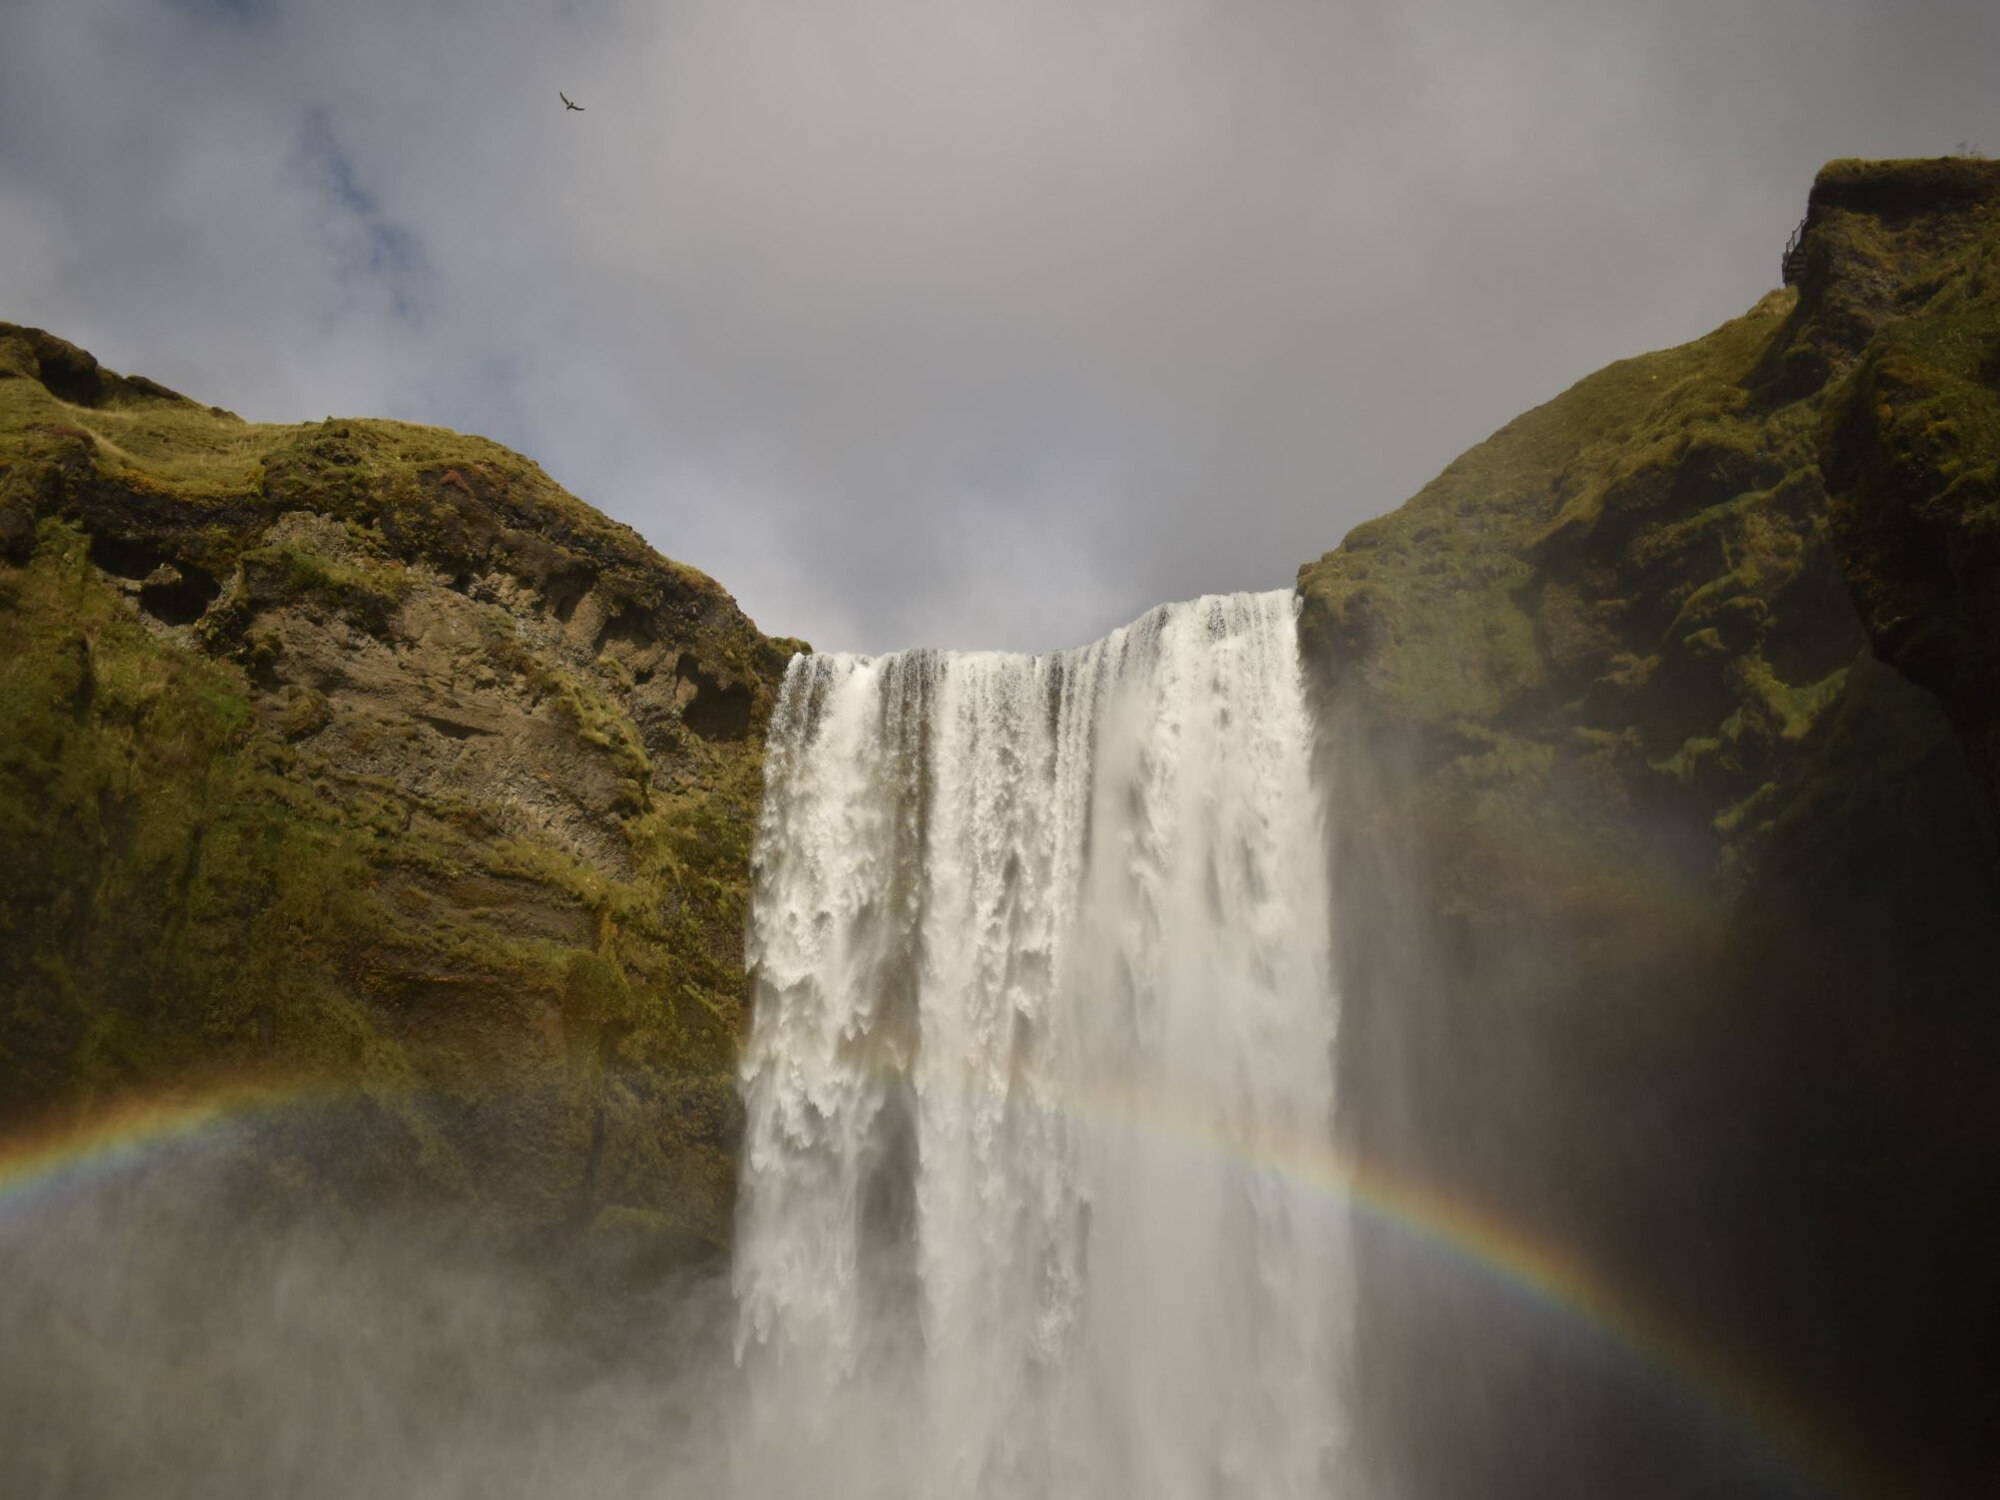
column 978, row 324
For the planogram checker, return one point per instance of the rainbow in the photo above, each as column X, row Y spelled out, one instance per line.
column 126, row 1131
column 1720, row 1382
column 1716, row 1380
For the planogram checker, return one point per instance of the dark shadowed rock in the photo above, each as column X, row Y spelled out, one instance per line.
column 1662, row 727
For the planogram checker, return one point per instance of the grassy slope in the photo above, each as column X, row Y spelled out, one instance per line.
column 1647, row 580
column 202, row 888
column 1664, row 725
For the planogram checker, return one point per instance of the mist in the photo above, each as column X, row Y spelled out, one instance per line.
column 183, row 1325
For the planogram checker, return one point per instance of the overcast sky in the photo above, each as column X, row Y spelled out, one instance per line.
column 955, row 322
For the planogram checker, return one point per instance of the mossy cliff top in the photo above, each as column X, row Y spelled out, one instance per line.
column 129, row 458
column 359, row 759
column 1686, row 511
column 1664, row 727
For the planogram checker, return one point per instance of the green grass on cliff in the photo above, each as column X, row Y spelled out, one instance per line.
column 1637, row 602
column 191, row 901
column 420, row 481
column 159, row 879
column 1448, row 577
column 1659, row 728
column 195, row 895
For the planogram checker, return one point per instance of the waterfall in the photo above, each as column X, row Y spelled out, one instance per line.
column 1044, row 1026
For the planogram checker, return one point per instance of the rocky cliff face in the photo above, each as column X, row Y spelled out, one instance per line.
column 358, row 761
column 1663, row 726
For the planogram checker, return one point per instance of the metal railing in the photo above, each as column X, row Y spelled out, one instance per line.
column 1794, row 263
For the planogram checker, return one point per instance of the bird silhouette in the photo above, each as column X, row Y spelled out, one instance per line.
column 569, row 103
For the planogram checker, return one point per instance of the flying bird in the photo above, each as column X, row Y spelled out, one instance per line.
column 569, row 103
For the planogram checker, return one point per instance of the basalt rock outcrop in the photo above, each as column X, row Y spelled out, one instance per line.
column 1662, row 731
column 357, row 762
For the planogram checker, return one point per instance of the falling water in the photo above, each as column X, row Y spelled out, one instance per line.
column 1043, row 1005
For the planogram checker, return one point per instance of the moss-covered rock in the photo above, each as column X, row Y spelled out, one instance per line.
column 359, row 758
column 1665, row 726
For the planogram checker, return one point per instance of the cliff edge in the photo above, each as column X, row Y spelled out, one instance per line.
column 357, row 762
column 1662, row 727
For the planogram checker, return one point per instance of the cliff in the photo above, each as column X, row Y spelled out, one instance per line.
column 1662, row 727
column 357, row 762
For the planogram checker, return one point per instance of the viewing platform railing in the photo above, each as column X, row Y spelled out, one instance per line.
column 1794, row 264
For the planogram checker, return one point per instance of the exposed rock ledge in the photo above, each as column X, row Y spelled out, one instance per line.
column 358, row 758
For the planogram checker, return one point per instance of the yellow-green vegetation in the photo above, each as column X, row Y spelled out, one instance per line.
column 1665, row 733
column 1649, row 577
column 1912, row 440
column 358, row 757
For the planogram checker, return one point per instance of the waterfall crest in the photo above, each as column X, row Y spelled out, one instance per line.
column 1043, row 1004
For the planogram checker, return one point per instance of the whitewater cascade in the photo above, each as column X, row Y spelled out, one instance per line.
column 1044, row 1028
